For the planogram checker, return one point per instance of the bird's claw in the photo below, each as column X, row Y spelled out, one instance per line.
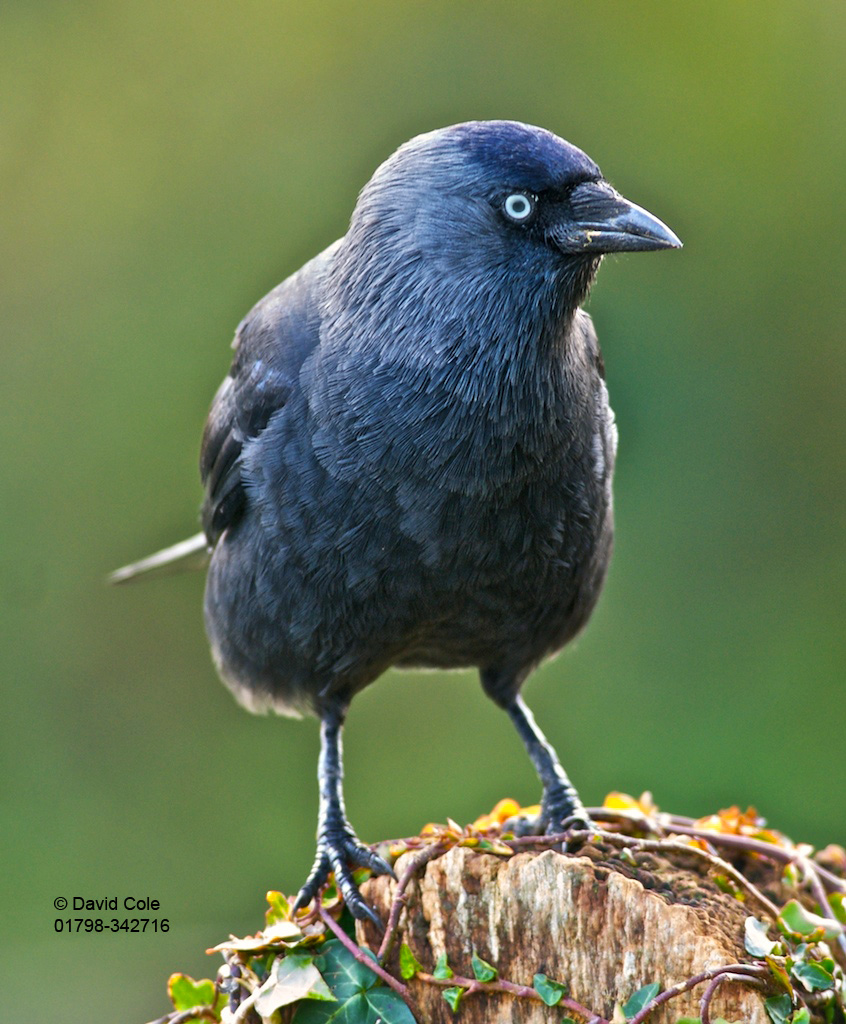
column 338, row 853
column 556, row 816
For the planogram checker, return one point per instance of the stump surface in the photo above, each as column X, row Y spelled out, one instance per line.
column 603, row 926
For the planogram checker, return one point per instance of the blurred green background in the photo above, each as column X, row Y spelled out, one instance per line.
column 164, row 164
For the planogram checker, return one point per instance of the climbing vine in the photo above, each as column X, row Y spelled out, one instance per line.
column 307, row 968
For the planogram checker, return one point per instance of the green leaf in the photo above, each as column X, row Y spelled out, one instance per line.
column 813, row 976
column 779, row 972
column 344, row 975
column 802, row 1016
column 796, row 920
column 727, row 885
column 453, row 997
column 355, row 1010
column 376, row 1006
column 778, row 1008
column 389, row 1006
column 442, row 971
column 361, row 997
column 409, row 964
column 185, row 993
column 640, row 999
column 279, row 909
column 698, row 1020
column 292, row 978
column 790, row 876
column 567, row 1020
column 755, row 938
column 838, row 905
column 551, row 992
column 482, row 970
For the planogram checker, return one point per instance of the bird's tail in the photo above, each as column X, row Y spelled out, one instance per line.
column 187, row 554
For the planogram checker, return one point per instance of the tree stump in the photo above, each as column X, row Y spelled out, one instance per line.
column 654, row 919
column 603, row 924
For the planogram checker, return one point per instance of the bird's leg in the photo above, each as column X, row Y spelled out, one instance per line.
column 338, row 848
column 560, row 799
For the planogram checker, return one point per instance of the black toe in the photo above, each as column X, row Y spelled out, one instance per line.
column 339, row 852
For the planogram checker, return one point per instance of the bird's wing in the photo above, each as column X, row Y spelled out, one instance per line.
column 270, row 345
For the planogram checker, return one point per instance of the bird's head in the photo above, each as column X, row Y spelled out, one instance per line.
column 500, row 196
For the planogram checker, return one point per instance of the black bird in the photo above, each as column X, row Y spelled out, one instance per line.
column 410, row 460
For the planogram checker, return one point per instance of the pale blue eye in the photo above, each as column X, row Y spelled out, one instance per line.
column 519, row 206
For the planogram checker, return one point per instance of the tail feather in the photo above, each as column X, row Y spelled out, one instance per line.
column 187, row 554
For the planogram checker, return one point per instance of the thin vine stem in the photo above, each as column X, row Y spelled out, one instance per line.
column 417, row 864
column 749, row 972
column 710, row 991
column 472, row 986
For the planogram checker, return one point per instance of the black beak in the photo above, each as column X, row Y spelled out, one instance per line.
column 601, row 220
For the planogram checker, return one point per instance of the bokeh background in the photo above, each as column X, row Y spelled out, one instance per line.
column 162, row 165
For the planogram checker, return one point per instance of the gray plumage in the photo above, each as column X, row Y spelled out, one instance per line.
column 410, row 461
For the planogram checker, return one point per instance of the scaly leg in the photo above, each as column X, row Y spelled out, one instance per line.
column 560, row 799
column 338, row 847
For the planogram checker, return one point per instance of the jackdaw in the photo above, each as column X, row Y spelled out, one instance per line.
column 410, row 460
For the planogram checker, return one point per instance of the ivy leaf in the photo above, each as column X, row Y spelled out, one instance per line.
column 278, row 907
column 453, row 997
column 698, row 1020
column 442, row 971
column 813, row 975
column 838, row 905
column 409, row 964
column 482, row 970
column 727, row 885
column 376, row 1006
column 185, row 993
column 281, row 934
column 344, row 975
column 551, row 992
column 779, row 972
column 778, row 1008
column 689, row 1020
column 292, row 978
column 389, row 1006
column 802, row 1016
column 494, row 846
column 755, row 938
column 795, row 920
column 640, row 999
column 360, row 996
column 790, row 876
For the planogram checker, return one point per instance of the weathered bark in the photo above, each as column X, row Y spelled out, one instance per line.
column 602, row 925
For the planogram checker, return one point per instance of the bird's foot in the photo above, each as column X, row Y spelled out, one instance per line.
column 561, row 811
column 339, row 852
